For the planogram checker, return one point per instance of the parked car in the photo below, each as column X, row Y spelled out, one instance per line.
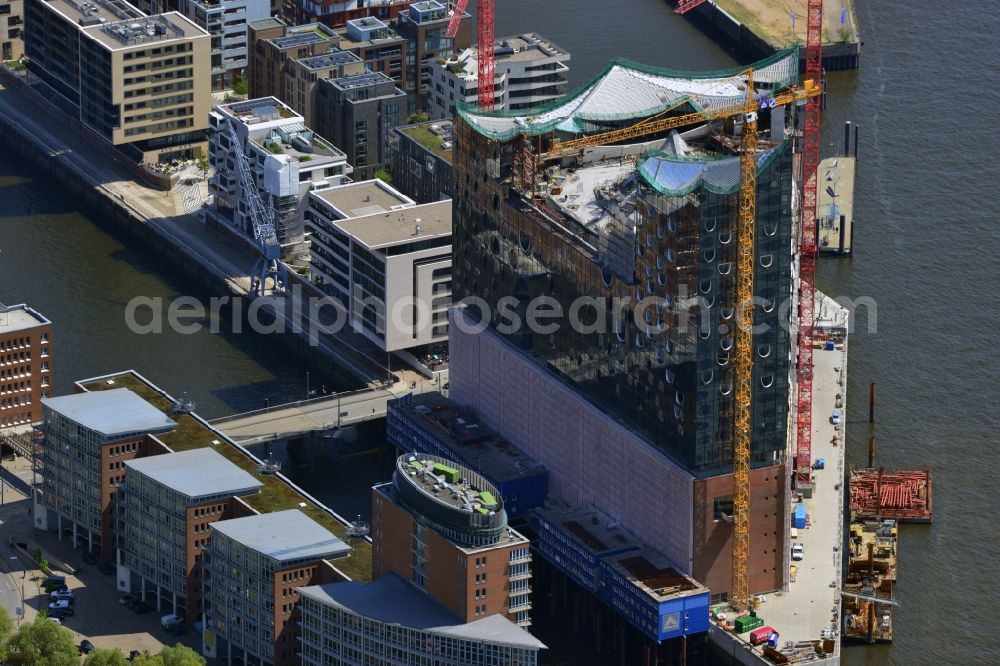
column 798, row 552
column 835, row 417
column 177, row 630
column 62, row 612
column 86, row 647
column 168, row 621
column 54, row 620
column 142, row 607
column 89, row 558
column 56, row 605
column 61, row 594
column 127, row 599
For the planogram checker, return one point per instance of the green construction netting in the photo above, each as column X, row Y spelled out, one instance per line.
column 571, row 112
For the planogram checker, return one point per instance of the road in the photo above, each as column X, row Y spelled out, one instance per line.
column 323, row 414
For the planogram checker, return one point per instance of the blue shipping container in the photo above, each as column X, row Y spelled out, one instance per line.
column 800, row 517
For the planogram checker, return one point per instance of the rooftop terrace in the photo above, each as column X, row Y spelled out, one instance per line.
column 450, row 484
column 276, row 494
column 434, row 135
column 116, row 24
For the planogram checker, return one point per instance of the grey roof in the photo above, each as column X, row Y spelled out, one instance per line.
column 284, row 535
column 391, row 600
column 19, row 317
column 113, row 412
column 196, row 473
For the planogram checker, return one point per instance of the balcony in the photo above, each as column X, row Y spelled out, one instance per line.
column 520, row 576
column 520, row 559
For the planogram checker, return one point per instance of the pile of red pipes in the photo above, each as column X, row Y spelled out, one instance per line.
column 905, row 496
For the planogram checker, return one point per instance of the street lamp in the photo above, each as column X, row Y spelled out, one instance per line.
column 307, row 384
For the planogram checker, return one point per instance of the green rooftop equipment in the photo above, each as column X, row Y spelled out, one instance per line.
column 488, row 499
column 450, row 474
column 748, row 623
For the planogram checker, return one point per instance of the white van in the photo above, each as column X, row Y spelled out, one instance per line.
column 168, row 621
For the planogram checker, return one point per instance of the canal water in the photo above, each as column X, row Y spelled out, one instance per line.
column 926, row 232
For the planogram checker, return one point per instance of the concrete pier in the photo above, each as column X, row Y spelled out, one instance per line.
column 809, row 609
column 835, row 206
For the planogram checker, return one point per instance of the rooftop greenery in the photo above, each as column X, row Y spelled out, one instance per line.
column 275, row 495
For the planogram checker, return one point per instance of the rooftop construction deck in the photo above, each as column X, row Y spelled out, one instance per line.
column 276, row 494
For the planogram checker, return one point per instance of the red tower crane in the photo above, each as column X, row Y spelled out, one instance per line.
column 807, row 245
column 485, row 44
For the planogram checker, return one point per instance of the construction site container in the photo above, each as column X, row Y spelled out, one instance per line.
column 800, row 517
column 748, row 623
column 759, row 636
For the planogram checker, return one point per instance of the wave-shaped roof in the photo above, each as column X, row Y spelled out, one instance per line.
column 627, row 90
column 676, row 175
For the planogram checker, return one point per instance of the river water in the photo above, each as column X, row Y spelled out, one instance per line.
column 926, row 229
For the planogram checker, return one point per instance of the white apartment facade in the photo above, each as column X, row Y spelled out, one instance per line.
column 226, row 21
column 288, row 161
column 530, row 70
column 386, row 259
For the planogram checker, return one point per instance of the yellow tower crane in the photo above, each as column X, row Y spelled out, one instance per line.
column 739, row 596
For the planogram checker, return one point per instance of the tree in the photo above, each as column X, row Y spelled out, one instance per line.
column 43, row 643
column 181, row 655
column 203, row 165
column 383, row 175
column 240, row 85
column 420, row 117
column 6, row 629
column 105, row 657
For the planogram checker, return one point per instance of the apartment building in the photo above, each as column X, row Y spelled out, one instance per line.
column 302, row 77
column 357, row 113
column 444, row 528
column 11, row 25
column 423, row 25
column 141, row 83
column 26, row 370
column 254, row 567
column 389, row 621
column 165, row 508
column 336, row 13
column 272, row 43
column 88, row 439
column 377, row 44
column 420, row 160
column 387, row 260
column 226, row 22
column 530, row 70
column 288, row 161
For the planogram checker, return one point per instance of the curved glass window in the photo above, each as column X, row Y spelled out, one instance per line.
column 764, row 351
column 766, row 260
column 726, row 237
column 708, row 256
column 725, row 268
column 767, row 381
column 707, row 376
column 726, row 343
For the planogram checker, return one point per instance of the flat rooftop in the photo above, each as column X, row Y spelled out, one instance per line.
column 366, row 197
column 434, row 135
column 396, row 227
column 284, row 536
column 303, row 35
column 361, row 80
column 15, row 318
column 115, row 412
column 118, row 25
column 448, row 483
column 264, row 24
column 276, row 494
column 260, row 110
column 595, row 530
column 652, row 573
column 473, row 443
column 332, row 59
column 196, row 473
column 393, row 601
